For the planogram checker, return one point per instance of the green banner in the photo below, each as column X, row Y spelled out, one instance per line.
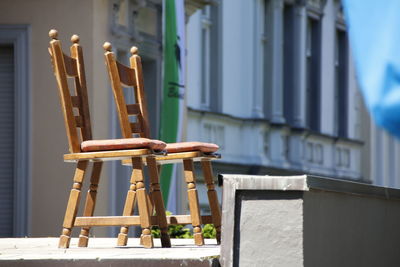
column 173, row 88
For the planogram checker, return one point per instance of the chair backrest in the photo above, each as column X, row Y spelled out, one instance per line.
column 124, row 76
column 75, row 106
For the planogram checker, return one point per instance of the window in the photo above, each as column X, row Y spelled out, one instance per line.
column 210, row 97
column 341, row 80
column 268, row 69
column 205, row 52
column 313, row 66
column 289, row 62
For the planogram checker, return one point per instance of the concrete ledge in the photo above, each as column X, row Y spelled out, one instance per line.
column 308, row 221
column 103, row 252
column 305, row 183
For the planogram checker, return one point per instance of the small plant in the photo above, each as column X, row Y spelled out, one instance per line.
column 174, row 231
column 209, row 231
column 155, row 232
column 179, row 231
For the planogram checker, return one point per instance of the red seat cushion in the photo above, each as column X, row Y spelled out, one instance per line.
column 121, row 144
column 191, row 146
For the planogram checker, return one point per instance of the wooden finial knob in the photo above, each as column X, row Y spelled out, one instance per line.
column 53, row 34
column 107, row 46
column 134, row 50
column 75, row 39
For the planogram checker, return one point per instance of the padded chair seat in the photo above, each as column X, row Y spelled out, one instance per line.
column 121, row 144
column 191, row 146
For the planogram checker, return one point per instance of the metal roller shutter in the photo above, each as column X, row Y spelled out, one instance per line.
column 7, row 133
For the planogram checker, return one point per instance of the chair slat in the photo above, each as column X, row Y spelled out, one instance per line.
column 65, row 96
column 136, row 127
column 133, row 109
column 70, row 66
column 126, row 75
column 136, row 65
column 78, row 121
column 76, row 102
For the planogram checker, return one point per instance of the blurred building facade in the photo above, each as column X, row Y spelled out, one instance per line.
column 273, row 82
column 276, row 87
column 270, row 81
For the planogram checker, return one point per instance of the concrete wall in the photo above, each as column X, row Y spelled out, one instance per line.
column 51, row 178
column 270, row 222
column 308, row 221
column 350, row 230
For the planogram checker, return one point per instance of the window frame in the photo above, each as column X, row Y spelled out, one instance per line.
column 19, row 36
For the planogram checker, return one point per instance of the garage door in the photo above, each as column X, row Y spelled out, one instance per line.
column 7, row 89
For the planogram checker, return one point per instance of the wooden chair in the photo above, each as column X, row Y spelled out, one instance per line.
column 184, row 152
column 83, row 150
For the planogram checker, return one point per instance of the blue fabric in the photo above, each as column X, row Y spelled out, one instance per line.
column 374, row 32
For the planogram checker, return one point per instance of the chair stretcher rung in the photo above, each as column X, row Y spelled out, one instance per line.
column 133, row 220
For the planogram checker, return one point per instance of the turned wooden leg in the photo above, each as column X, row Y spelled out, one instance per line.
column 90, row 202
column 150, row 205
column 193, row 201
column 158, row 201
column 212, row 197
column 73, row 203
column 150, row 200
column 145, row 220
column 159, row 170
column 128, row 211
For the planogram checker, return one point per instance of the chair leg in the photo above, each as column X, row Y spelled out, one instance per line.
column 212, row 197
column 158, row 201
column 128, row 211
column 73, row 203
column 90, row 202
column 145, row 219
column 150, row 201
column 193, row 201
column 150, row 204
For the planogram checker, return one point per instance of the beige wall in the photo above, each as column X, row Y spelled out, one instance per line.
column 51, row 177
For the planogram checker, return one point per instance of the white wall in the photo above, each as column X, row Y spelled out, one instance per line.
column 249, row 139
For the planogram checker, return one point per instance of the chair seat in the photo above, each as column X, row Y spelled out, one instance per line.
column 191, row 146
column 120, row 144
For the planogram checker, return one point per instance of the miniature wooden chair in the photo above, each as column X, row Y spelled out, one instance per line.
column 83, row 150
column 184, row 152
